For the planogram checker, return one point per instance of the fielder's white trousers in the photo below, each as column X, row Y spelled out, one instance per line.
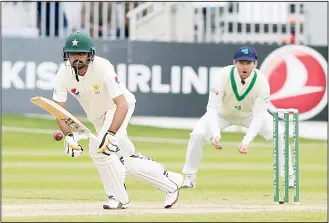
column 202, row 133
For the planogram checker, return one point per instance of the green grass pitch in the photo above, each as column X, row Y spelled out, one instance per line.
column 41, row 183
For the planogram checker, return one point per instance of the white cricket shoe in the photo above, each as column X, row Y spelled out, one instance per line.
column 112, row 204
column 189, row 181
column 172, row 198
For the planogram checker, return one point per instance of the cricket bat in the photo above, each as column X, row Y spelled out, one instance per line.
column 62, row 114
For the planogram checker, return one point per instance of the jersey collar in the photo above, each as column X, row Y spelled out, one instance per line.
column 248, row 79
column 235, row 88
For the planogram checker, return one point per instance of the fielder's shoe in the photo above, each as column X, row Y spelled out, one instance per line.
column 189, row 181
column 172, row 198
column 112, row 204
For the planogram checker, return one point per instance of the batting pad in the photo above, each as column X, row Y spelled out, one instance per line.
column 151, row 172
column 112, row 174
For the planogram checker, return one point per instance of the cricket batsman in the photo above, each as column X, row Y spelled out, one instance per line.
column 108, row 104
column 239, row 95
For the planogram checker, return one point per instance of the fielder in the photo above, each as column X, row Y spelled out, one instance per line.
column 109, row 106
column 239, row 96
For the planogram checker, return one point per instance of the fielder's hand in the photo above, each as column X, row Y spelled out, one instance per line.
column 216, row 142
column 109, row 144
column 71, row 146
column 243, row 148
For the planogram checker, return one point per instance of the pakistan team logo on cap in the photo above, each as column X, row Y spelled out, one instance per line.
column 75, row 42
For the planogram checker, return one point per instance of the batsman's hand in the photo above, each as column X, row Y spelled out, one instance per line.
column 77, row 136
column 216, row 142
column 243, row 148
column 71, row 146
column 109, row 144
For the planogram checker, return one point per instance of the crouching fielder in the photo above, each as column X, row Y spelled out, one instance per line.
column 238, row 96
column 109, row 106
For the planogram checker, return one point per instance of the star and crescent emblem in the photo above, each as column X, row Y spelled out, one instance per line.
column 75, row 42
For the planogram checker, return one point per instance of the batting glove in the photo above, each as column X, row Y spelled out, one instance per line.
column 71, row 146
column 109, row 144
column 77, row 136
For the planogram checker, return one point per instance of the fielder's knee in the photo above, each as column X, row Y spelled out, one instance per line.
column 197, row 136
column 268, row 137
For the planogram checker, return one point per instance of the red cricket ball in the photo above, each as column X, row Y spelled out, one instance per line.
column 58, row 135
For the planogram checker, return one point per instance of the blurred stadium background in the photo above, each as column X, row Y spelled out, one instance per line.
column 194, row 22
column 165, row 49
column 166, row 53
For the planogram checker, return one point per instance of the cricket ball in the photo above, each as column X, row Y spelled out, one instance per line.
column 58, row 135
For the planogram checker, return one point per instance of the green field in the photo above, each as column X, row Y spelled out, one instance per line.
column 41, row 183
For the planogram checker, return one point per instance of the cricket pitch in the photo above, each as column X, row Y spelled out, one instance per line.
column 143, row 208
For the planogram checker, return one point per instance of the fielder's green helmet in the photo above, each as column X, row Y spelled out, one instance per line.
column 79, row 43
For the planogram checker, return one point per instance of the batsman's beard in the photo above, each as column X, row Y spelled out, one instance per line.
column 78, row 64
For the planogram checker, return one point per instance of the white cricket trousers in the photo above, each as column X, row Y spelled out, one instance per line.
column 202, row 133
column 135, row 164
column 102, row 125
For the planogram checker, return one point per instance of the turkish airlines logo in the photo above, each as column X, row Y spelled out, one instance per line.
column 298, row 79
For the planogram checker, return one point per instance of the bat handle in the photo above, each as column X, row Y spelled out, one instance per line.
column 92, row 136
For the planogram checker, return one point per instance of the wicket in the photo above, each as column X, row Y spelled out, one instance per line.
column 276, row 176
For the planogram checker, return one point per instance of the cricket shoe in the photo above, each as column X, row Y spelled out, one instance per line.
column 189, row 181
column 113, row 204
column 172, row 198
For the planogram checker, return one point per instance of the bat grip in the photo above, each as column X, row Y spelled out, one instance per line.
column 92, row 136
